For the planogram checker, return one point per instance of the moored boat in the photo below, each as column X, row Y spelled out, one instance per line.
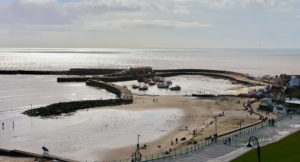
column 143, row 88
column 163, row 85
column 169, row 82
column 176, row 88
column 152, row 82
column 159, row 79
column 135, row 86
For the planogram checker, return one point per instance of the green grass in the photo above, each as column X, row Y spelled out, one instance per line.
column 285, row 150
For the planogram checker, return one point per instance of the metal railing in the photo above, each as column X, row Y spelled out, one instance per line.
column 234, row 136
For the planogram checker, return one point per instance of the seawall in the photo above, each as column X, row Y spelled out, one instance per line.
column 124, row 97
column 62, row 72
column 233, row 76
column 122, row 92
column 19, row 153
column 68, row 107
column 202, row 71
column 101, row 78
column 246, row 81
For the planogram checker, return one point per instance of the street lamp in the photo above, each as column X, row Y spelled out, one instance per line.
column 138, row 141
column 240, row 123
column 258, row 147
column 216, row 129
column 137, row 156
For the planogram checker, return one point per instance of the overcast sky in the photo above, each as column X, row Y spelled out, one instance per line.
column 150, row 23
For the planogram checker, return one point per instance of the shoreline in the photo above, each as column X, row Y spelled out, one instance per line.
column 196, row 116
column 196, row 112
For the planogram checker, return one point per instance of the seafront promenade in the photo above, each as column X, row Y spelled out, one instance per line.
column 220, row 152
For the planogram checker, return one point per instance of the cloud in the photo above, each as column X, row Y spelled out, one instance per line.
column 140, row 24
column 113, row 14
column 245, row 3
column 52, row 12
column 38, row 15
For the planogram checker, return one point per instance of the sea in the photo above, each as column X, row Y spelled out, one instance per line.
column 255, row 62
column 83, row 135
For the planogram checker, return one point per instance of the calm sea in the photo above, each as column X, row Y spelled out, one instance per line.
column 252, row 61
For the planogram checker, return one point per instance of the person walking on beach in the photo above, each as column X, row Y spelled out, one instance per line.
column 171, row 142
column 13, row 123
column 176, row 140
column 2, row 125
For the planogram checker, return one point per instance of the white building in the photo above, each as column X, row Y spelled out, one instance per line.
column 294, row 81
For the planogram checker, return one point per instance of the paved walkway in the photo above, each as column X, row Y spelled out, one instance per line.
column 223, row 153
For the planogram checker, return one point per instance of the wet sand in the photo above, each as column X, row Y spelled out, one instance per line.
column 198, row 114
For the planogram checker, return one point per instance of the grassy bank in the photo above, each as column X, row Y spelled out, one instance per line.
column 285, row 150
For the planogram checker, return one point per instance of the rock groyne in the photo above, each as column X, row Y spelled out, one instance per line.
column 68, row 107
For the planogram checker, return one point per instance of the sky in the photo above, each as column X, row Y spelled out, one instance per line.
column 150, row 23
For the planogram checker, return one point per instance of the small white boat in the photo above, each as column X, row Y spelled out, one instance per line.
column 144, row 88
column 152, row 82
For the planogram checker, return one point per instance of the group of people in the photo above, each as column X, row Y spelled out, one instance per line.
column 227, row 140
column 195, row 131
column 176, row 140
column 13, row 125
column 155, row 100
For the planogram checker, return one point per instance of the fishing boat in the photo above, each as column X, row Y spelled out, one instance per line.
column 159, row 79
column 135, row 86
column 144, row 88
column 152, row 82
column 146, row 80
column 140, row 79
column 163, row 85
column 176, row 88
column 169, row 82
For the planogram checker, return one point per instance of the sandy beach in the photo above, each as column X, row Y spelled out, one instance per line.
column 198, row 114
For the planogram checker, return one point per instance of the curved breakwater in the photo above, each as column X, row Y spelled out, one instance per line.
column 125, row 97
column 233, row 76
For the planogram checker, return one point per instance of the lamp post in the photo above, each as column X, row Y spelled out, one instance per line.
column 258, row 147
column 216, row 129
column 138, row 141
column 137, row 156
column 240, row 123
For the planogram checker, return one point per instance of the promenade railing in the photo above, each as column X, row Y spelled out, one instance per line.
column 233, row 135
